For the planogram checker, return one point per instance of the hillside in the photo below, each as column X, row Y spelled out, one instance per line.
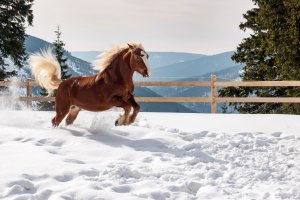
column 162, row 156
column 198, row 67
column 78, row 67
column 228, row 74
column 159, row 107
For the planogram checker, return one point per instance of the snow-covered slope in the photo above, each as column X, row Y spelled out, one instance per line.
column 160, row 156
column 77, row 67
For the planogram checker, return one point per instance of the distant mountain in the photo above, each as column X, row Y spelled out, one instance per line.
column 88, row 56
column 228, row 74
column 157, row 106
column 161, row 59
column 156, row 59
column 197, row 67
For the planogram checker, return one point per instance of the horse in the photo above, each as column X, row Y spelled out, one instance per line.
column 111, row 87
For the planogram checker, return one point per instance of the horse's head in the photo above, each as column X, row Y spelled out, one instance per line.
column 139, row 60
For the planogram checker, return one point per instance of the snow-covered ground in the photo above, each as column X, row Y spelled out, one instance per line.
column 160, row 156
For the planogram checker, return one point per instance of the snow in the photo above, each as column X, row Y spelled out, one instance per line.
column 160, row 156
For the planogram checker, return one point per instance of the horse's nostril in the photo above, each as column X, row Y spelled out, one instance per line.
column 145, row 73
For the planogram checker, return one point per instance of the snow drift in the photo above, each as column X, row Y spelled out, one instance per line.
column 161, row 156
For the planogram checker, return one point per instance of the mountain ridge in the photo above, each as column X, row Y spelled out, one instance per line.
column 156, row 59
column 200, row 66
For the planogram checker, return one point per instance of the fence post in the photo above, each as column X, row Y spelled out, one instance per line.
column 213, row 94
column 29, row 93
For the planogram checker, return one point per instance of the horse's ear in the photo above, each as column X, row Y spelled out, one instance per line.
column 130, row 46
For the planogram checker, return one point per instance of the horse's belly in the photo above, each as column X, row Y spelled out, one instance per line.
column 92, row 106
column 96, row 108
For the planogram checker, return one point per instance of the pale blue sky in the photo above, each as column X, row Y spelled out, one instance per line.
column 199, row 26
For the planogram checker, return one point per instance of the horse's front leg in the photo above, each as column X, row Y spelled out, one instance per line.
column 123, row 119
column 136, row 109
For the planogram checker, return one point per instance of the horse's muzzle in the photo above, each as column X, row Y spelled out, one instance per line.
column 145, row 73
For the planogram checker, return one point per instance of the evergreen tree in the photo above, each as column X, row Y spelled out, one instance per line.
column 59, row 52
column 272, row 52
column 62, row 60
column 14, row 16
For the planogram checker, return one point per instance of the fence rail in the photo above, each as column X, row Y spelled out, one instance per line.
column 213, row 99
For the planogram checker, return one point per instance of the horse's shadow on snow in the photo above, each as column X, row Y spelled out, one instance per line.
column 116, row 138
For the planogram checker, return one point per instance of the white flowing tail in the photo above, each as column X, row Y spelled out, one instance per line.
column 46, row 70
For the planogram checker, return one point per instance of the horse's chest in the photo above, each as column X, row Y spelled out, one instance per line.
column 122, row 91
column 127, row 93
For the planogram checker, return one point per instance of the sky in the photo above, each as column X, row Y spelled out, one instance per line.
column 195, row 26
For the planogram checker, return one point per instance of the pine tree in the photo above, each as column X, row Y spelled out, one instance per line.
column 272, row 52
column 59, row 52
column 62, row 60
column 14, row 16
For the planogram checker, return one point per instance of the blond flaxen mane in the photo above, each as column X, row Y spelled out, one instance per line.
column 107, row 57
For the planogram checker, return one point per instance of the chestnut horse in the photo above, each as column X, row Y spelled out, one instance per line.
column 111, row 87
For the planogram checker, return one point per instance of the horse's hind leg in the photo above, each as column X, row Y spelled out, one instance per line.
column 62, row 106
column 60, row 115
column 74, row 110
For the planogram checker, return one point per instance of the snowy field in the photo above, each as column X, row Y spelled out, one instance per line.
column 160, row 156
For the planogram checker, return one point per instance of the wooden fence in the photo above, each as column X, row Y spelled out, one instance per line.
column 213, row 99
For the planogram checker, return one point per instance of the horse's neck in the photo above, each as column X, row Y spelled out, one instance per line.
column 122, row 68
column 120, row 71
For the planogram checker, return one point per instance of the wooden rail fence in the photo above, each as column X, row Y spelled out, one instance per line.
column 213, row 99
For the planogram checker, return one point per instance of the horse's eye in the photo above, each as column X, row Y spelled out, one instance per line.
column 142, row 55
